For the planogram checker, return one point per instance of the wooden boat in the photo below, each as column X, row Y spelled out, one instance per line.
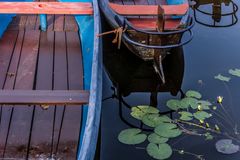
column 223, row 13
column 150, row 29
column 50, row 79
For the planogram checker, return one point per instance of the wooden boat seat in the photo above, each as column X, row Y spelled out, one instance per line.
column 77, row 8
column 148, row 10
column 151, row 23
column 44, row 97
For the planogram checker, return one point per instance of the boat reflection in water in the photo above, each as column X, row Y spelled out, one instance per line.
column 130, row 74
column 215, row 13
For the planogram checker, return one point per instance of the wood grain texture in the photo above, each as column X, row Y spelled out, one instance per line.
column 77, row 8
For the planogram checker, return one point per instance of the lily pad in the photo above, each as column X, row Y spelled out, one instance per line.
column 234, row 72
column 189, row 102
column 153, row 120
column 132, row 136
column 222, row 78
column 173, row 104
column 139, row 111
column 159, row 151
column 205, row 103
column 226, row 146
column 193, row 94
column 186, row 116
column 168, row 130
column 208, row 136
column 201, row 115
column 154, row 138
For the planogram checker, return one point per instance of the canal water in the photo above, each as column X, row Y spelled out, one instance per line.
column 213, row 51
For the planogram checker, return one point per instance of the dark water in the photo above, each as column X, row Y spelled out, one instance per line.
column 212, row 51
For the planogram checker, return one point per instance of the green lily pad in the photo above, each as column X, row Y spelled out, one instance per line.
column 139, row 111
column 222, row 78
column 206, row 103
column 153, row 120
column 168, row 130
column 159, row 151
column 201, row 115
column 173, row 104
column 226, row 146
column 189, row 102
column 186, row 116
column 132, row 136
column 154, row 138
column 208, row 136
column 193, row 94
column 234, row 72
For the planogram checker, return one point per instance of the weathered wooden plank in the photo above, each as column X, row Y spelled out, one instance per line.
column 31, row 22
column 9, row 84
column 151, row 23
column 149, row 10
column 70, row 23
column 72, row 114
column 31, row 97
column 59, row 23
column 19, row 132
column 7, row 44
column 46, row 8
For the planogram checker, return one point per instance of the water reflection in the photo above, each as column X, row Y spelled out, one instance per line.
column 215, row 13
column 129, row 74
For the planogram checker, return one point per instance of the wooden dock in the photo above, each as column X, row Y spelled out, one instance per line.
column 35, row 60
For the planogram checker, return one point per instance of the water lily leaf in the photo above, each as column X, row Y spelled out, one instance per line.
column 154, row 138
column 188, row 102
column 206, row 103
column 222, row 78
column 132, row 136
column 193, row 94
column 168, row 130
column 201, row 115
column 226, row 146
column 173, row 104
column 186, row 116
column 208, row 136
column 139, row 111
column 159, row 151
column 234, row 72
column 153, row 120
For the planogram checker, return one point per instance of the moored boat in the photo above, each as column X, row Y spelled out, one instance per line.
column 51, row 79
column 149, row 30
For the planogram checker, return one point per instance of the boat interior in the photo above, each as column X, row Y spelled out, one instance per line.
column 31, row 59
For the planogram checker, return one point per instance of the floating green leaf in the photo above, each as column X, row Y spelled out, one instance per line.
column 131, row 136
column 159, row 151
column 193, row 94
column 173, row 104
column 201, row 115
column 188, row 102
column 234, row 72
column 226, row 146
column 222, row 78
column 206, row 103
column 208, row 136
column 154, row 138
column 153, row 120
column 168, row 130
column 186, row 116
column 139, row 111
